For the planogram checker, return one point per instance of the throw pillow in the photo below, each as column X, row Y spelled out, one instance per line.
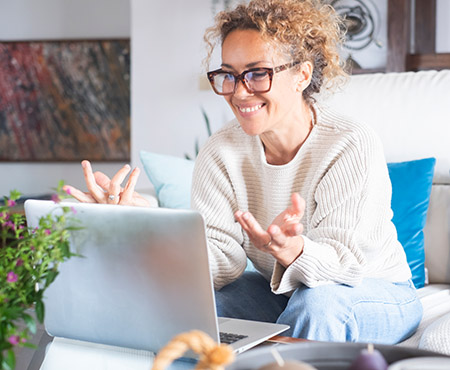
column 411, row 188
column 172, row 178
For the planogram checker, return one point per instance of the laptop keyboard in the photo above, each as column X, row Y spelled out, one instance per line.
column 229, row 338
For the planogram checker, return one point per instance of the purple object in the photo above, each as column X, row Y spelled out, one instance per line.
column 369, row 359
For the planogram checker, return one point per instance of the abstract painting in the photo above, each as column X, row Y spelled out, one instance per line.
column 65, row 100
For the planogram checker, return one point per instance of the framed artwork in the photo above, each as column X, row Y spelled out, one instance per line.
column 65, row 100
column 365, row 46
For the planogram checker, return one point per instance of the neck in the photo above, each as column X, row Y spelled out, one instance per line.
column 281, row 145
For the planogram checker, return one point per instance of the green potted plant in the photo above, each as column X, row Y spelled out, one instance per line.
column 29, row 260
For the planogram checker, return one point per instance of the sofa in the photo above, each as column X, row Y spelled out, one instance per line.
column 410, row 111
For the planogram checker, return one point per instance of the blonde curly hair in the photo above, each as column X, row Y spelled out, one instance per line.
column 306, row 30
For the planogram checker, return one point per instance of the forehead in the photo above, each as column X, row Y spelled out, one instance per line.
column 244, row 47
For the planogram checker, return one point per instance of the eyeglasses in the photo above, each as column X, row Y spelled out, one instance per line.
column 256, row 80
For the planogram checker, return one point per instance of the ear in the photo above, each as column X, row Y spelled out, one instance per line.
column 304, row 76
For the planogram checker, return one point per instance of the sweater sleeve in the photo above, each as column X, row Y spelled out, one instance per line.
column 350, row 202
column 213, row 195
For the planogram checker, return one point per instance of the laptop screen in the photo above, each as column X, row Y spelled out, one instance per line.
column 143, row 276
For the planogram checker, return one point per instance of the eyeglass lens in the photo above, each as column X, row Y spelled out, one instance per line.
column 256, row 81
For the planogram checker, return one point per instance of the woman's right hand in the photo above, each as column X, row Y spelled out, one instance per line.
column 102, row 189
column 283, row 238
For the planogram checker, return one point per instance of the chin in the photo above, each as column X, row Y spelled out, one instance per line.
column 250, row 128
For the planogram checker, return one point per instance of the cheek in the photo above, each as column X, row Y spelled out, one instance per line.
column 228, row 100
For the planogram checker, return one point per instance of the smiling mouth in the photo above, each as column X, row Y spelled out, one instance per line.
column 250, row 109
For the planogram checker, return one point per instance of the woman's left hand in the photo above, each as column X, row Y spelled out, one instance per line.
column 282, row 239
column 102, row 189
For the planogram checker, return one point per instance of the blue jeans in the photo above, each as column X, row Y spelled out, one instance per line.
column 375, row 311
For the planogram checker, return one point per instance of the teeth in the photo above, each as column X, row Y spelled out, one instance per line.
column 251, row 109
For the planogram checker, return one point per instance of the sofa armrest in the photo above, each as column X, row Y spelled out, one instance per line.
column 150, row 195
column 435, row 337
column 437, row 235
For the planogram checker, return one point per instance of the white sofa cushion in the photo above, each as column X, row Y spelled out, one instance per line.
column 410, row 111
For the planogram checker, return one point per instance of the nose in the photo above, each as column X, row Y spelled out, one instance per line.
column 241, row 89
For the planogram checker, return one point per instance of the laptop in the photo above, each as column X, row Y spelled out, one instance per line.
column 142, row 278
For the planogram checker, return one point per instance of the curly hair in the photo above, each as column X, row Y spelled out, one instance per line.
column 306, row 30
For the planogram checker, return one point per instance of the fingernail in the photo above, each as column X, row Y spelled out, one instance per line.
column 246, row 216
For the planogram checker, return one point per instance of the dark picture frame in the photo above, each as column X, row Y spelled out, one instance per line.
column 65, row 100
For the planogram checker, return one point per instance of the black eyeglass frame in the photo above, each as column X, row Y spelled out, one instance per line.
column 241, row 77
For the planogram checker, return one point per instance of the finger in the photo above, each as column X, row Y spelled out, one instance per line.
column 127, row 195
column 79, row 195
column 293, row 229
column 68, row 189
column 252, row 224
column 96, row 191
column 238, row 214
column 259, row 236
column 278, row 237
column 102, row 180
column 298, row 204
column 114, row 185
column 239, row 217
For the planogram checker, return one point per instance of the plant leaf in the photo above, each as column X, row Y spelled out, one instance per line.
column 51, row 276
column 208, row 125
column 31, row 324
column 197, row 147
column 29, row 345
column 39, row 308
column 10, row 360
column 65, row 249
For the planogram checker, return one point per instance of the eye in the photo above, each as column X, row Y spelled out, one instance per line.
column 228, row 77
column 257, row 75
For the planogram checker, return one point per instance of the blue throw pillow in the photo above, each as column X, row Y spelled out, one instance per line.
column 411, row 188
column 172, row 178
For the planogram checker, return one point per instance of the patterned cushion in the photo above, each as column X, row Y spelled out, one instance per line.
column 436, row 337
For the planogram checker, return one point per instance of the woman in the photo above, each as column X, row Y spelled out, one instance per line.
column 300, row 191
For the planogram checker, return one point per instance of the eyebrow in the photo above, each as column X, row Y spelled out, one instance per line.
column 250, row 65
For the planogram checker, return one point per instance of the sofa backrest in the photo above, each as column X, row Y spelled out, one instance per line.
column 410, row 111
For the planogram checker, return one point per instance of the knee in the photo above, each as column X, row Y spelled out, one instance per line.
column 249, row 298
column 315, row 314
column 315, row 303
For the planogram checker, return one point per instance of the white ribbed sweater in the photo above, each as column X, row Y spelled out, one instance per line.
column 341, row 173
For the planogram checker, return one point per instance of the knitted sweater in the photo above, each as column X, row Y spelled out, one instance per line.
column 341, row 173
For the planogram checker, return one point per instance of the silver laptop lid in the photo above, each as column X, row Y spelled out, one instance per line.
column 143, row 278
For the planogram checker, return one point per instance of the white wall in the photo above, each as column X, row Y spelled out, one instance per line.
column 167, row 52
column 57, row 19
column 64, row 19
column 443, row 26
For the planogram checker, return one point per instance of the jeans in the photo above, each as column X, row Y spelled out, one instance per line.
column 376, row 311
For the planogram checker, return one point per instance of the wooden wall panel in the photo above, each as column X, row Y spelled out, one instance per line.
column 399, row 26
